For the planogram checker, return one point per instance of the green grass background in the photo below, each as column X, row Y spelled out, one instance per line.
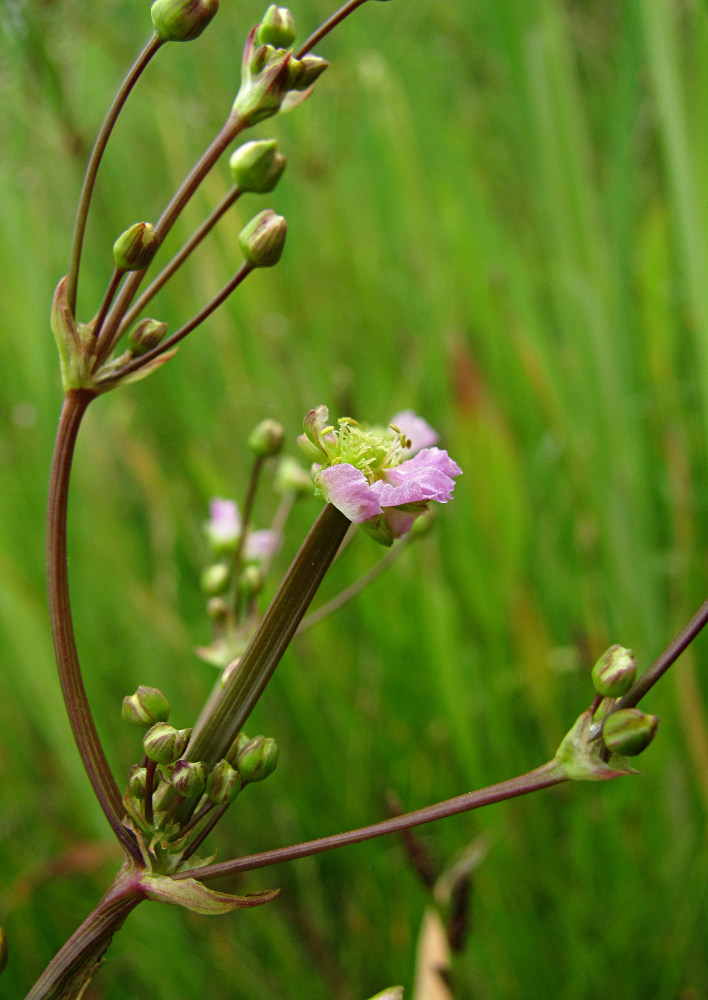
column 497, row 216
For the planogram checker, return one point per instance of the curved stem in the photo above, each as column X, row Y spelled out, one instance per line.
column 112, row 326
column 541, row 777
column 75, row 699
column 662, row 663
column 72, row 968
column 95, row 159
column 179, row 258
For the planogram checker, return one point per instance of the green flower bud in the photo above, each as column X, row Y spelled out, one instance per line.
column 614, row 673
column 165, row 744
column 628, row 731
column 3, row 948
column 302, row 73
column 392, row 993
column 251, row 581
column 257, row 166
column 262, row 239
column 137, row 780
column 146, row 707
column 135, row 248
column 291, row 476
column 145, row 335
column 182, row 20
column 277, row 28
column 215, row 579
column 223, row 783
column 189, row 778
column 267, row 438
column 218, row 610
column 257, row 759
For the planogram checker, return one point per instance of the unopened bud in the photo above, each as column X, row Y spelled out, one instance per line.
column 189, row 778
column 223, row 783
column 145, row 335
column 146, row 707
column 215, row 579
column 135, row 248
column 257, row 166
column 277, row 28
column 614, row 673
column 257, row 759
column 137, row 781
column 165, row 744
column 263, row 238
column 181, row 20
column 218, row 610
column 302, row 73
column 628, row 731
column 267, row 438
column 291, row 476
column 251, row 581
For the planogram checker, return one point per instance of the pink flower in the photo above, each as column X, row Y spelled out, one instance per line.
column 427, row 476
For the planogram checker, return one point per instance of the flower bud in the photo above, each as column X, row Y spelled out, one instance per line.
column 146, row 707
column 137, row 781
column 181, row 20
column 628, row 731
column 302, row 73
column 262, row 239
column 135, row 248
column 291, row 476
column 145, row 335
column 277, row 28
column 257, row 166
column 165, row 744
column 215, row 579
column 257, row 759
column 614, row 673
column 251, row 581
column 223, row 783
column 267, row 438
column 218, row 611
column 189, row 778
column 223, row 529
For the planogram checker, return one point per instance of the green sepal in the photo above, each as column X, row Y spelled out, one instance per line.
column 579, row 755
column 71, row 339
column 195, row 896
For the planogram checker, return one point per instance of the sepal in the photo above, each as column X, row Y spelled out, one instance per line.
column 579, row 757
column 195, row 896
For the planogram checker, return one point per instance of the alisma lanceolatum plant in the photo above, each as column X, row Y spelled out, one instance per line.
column 383, row 479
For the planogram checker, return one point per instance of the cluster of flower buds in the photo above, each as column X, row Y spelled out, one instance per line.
column 271, row 76
column 625, row 731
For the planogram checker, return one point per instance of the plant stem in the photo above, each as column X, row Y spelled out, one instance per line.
column 329, row 24
column 541, row 777
column 72, row 968
column 271, row 638
column 179, row 258
column 662, row 663
column 75, row 699
column 95, row 159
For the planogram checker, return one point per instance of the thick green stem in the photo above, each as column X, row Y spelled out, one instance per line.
column 72, row 968
column 72, row 685
column 272, row 637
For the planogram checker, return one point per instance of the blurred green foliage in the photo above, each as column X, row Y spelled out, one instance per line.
column 497, row 215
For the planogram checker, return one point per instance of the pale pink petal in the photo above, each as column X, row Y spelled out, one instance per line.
column 418, row 431
column 400, row 521
column 426, row 476
column 224, row 525
column 348, row 490
column 260, row 545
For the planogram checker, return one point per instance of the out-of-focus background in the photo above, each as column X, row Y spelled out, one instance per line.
column 497, row 217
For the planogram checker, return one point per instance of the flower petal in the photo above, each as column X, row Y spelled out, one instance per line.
column 348, row 490
column 426, row 476
column 418, row 431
